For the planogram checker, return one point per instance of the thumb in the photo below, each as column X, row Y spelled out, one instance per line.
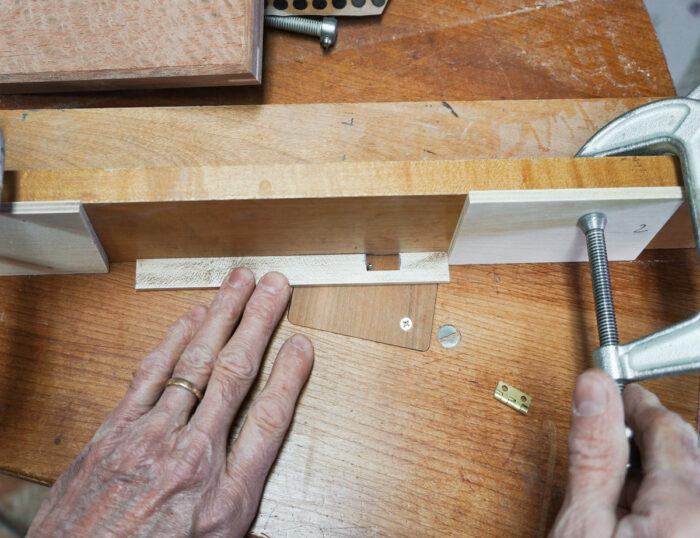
column 598, row 452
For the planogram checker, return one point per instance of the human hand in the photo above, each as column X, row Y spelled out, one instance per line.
column 600, row 499
column 159, row 464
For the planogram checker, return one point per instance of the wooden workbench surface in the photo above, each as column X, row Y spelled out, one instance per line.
column 386, row 440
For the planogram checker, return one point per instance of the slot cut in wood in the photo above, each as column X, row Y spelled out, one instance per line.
column 339, row 269
column 391, row 262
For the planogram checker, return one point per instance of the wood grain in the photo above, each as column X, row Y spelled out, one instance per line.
column 678, row 232
column 542, row 226
column 333, row 270
column 512, row 49
column 385, row 441
column 371, row 313
column 264, row 183
column 291, row 227
column 74, row 45
column 40, row 238
column 311, row 133
column 303, row 209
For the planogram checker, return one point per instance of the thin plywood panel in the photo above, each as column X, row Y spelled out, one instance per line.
column 541, row 226
column 95, row 45
column 39, row 238
column 343, row 269
column 376, row 313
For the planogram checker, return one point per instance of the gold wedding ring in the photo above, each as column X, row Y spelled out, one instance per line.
column 183, row 383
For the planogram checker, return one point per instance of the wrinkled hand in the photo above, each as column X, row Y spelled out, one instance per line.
column 159, row 464
column 600, row 500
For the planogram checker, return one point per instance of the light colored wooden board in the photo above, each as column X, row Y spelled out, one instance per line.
column 349, row 269
column 371, row 313
column 79, row 45
column 541, row 226
column 363, row 9
column 105, row 138
column 39, row 238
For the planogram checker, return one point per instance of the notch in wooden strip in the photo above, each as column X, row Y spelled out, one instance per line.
column 376, row 262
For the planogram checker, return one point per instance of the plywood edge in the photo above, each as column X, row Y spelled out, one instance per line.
column 132, row 81
column 330, row 270
column 40, row 207
column 579, row 195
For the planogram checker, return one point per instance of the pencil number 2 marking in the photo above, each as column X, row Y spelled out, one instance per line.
column 642, row 228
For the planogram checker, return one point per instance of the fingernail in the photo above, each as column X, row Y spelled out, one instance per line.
column 273, row 282
column 300, row 342
column 240, row 277
column 590, row 396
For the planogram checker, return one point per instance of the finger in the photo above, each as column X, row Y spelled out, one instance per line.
column 198, row 358
column 238, row 363
column 667, row 443
column 598, row 452
column 271, row 413
column 156, row 368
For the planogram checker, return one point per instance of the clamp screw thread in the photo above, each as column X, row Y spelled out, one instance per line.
column 593, row 225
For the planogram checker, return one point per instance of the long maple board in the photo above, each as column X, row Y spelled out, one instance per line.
column 79, row 45
column 106, row 138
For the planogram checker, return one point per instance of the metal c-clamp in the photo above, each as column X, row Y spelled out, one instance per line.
column 667, row 126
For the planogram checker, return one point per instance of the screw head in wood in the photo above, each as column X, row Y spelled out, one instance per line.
column 406, row 324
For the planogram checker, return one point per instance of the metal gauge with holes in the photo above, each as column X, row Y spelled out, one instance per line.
column 338, row 8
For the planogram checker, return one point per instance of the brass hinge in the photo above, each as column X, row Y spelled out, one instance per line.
column 512, row 397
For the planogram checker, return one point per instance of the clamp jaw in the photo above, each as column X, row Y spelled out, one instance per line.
column 667, row 126
column 674, row 350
